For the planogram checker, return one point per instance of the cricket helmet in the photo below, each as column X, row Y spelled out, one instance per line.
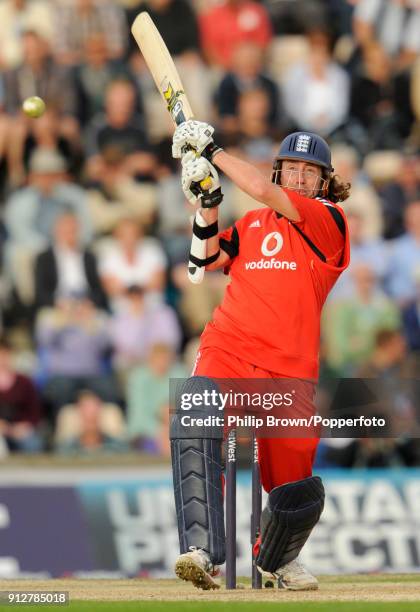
column 306, row 146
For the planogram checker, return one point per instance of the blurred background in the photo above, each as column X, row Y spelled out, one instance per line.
column 96, row 310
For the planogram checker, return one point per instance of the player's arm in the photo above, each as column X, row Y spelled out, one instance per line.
column 213, row 245
column 205, row 250
column 249, row 179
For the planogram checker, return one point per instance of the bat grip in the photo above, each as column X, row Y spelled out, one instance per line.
column 206, row 183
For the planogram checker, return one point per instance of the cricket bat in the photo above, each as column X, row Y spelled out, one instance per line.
column 166, row 77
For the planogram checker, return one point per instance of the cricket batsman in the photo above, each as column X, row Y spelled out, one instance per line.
column 268, row 326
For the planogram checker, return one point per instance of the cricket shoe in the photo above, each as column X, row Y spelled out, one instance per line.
column 293, row 576
column 195, row 566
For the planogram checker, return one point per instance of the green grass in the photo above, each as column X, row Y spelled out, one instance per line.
column 196, row 606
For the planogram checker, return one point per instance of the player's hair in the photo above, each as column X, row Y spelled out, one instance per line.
column 338, row 190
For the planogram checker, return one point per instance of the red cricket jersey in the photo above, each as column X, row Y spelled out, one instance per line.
column 281, row 273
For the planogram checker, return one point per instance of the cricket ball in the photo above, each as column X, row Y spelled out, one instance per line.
column 33, row 107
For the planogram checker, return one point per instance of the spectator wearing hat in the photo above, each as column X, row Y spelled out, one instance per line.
column 31, row 213
column 46, row 133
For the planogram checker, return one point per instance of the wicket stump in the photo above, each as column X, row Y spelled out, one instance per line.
column 231, row 456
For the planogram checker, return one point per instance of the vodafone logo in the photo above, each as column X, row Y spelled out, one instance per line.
column 272, row 244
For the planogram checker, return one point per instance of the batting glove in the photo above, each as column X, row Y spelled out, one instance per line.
column 191, row 134
column 194, row 170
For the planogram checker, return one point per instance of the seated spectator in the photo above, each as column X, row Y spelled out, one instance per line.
column 392, row 379
column 173, row 227
column 363, row 198
column 93, row 75
column 45, row 133
column 66, row 268
column 73, row 347
column 411, row 319
column 363, row 251
column 17, row 17
column 380, row 100
column 67, row 426
column 148, row 400
column 414, row 139
column 225, row 26
column 254, row 140
column 37, row 75
column 353, row 322
column 197, row 302
column 291, row 18
column 132, row 260
column 404, row 258
column 395, row 25
column 20, row 406
column 77, row 20
column 139, row 326
column 396, row 195
column 254, row 135
column 31, row 212
column 246, row 74
column 115, row 194
column 176, row 22
column 122, row 130
column 388, row 359
column 91, row 437
column 316, row 92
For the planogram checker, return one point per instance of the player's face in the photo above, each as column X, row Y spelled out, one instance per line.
column 301, row 176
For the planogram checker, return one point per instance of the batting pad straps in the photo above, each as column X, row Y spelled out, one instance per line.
column 205, row 232
column 204, row 262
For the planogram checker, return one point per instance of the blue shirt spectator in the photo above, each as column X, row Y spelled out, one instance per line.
column 404, row 260
column 371, row 252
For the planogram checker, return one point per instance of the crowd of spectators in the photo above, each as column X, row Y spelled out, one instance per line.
column 97, row 312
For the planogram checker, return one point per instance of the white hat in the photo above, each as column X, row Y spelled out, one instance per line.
column 45, row 161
